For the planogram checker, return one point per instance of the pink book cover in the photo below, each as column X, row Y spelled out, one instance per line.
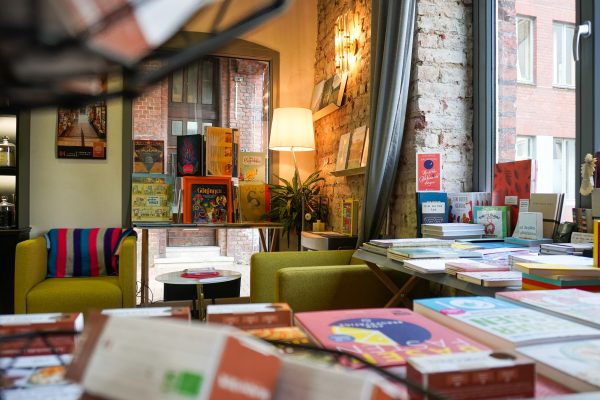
column 383, row 336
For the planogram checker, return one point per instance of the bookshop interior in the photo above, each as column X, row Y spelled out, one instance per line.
column 299, row 199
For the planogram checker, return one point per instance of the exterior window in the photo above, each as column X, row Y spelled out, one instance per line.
column 524, row 148
column 524, row 50
column 564, row 65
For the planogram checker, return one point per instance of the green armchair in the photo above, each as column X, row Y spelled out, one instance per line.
column 35, row 293
column 317, row 280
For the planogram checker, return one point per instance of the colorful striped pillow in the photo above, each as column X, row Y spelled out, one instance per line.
column 84, row 252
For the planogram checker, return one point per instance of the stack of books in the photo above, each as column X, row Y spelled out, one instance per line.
column 380, row 246
column 574, row 249
column 406, row 253
column 453, row 267
column 492, row 278
column 550, row 259
column 452, row 231
column 559, row 276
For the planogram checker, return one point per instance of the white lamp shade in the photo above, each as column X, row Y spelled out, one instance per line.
column 292, row 130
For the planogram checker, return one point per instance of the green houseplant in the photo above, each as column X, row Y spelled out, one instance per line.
column 294, row 201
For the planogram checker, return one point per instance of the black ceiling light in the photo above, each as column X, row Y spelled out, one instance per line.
column 59, row 52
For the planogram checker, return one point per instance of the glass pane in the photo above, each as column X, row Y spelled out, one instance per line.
column 192, row 83
column 177, row 88
column 192, row 128
column 207, row 82
column 176, row 128
column 537, row 119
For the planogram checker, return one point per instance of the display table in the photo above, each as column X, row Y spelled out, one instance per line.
column 327, row 241
column 175, row 278
column 263, row 230
column 400, row 294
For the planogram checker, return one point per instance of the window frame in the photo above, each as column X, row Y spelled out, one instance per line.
column 531, row 49
column 566, row 44
column 587, row 97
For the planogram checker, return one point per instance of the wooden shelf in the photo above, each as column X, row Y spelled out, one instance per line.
column 349, row 172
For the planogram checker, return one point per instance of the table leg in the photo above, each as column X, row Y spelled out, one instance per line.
column 383, row 277
column 195, row 303
column 402, row 294
column 144, row 266
column 263, row 241
column 200, row 296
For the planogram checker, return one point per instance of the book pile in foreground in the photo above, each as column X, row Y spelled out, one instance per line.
column 559, row 276
column 451, row 231
column 381, row 246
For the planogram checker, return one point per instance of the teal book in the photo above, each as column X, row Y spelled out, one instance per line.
column 432, row 208
column 495, row 220
column 500, row 324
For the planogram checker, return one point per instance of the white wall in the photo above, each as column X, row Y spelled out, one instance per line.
column 74, row 193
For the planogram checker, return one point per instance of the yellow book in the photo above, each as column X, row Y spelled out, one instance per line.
column 253, row 202
column 556, row 269
column 350, row 217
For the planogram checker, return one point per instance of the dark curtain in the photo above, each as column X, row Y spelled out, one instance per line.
column 392, row 27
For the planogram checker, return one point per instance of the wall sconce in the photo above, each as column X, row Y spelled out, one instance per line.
column 346, row 44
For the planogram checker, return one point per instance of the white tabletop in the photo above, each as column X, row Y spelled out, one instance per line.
column 175, row 278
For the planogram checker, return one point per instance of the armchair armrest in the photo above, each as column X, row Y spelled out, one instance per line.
column 264, row 266
column 128, row 271
column 31, row 268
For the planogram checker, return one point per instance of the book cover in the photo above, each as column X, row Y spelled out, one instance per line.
column 149, row 156
column 222, row 147
column 37, row 377
column 190, row 155
column 151, row 197
column 429, row 172
column 432, row 208
column 513, row 181
column 530, row 226
column 385, row 337
column 492, row 278
column 250, row 316
column 350, row 212
column 577, row 305
column 286, row 334
column 428, row 266
column 431, row 252
column 500, row 324
column 452, row 267
column 573, row 364
column 556, row 269
column 206, row 200
column 160, row 312
column 357, row 143
column 252, row 167
column 253, row 202
column 460, row 205
column 495, row 220
column 550, row 205
column 342, row 157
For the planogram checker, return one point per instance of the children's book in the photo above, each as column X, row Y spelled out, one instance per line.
column 500, row 324
column 384, row 337
column 253, row 201
column 207, row 200
column 576, row 305
column 513, row 182
column 252, row 167
column 432, row 208
column 190, row 155
column 151, row 196
column 460, row 205
column 350, row 214
column 222, row 151
column 530, row 226
column 495, row 220
column 149, row 156
column 573, row 364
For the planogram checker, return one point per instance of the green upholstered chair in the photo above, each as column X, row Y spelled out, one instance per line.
column 317, row 280
column 35, row 293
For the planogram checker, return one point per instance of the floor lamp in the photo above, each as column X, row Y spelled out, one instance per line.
column 292, row 130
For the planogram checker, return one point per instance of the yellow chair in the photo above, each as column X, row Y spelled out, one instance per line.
column 35, row 293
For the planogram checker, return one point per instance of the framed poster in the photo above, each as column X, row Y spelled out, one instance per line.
column 429, row 172
column 206, row 200
column 149, row 156
column 81, row 132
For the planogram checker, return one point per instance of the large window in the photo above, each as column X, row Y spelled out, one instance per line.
column 564, row 65
column 525, row 50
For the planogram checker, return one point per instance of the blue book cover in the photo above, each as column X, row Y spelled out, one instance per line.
column 432, row 208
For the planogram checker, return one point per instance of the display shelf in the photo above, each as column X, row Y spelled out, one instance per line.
column 349, row 172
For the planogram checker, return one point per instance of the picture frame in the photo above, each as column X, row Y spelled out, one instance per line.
column 207, row 200
column 81, row 132
column 328, row 95
column 149, row 156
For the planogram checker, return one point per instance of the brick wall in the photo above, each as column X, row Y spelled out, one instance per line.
column 507, row 81
column 354, row 111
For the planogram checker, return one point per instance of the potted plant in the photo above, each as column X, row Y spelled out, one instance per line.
column 294, row 202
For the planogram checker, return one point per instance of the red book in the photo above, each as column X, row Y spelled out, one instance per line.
column 200, row 275
column 383, row 336
column 513, row 181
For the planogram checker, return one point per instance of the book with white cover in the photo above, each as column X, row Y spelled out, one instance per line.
column 574, row 304
column 573, row 364
column 492, row 278
column 453, row 227
column 462, row 265
column 500, row 324
column 530, row 226
column 429, row 266
column 552, row 259
column 557, row 269
column 410, row 242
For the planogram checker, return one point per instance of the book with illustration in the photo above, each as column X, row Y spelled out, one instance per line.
column 207, row 200
column 222, row 151
column 495, row 220
column 253, row 201
column 460, row 205
column 383, row 336
column 500, row 324
column 432, row 208
column 151, row 197
column 252, row 166
column 149, row 156
column 191, row 155
column 350, row 216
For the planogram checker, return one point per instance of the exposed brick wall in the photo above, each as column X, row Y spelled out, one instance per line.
column 507, row 81
column 440, row 105
column 354, row 111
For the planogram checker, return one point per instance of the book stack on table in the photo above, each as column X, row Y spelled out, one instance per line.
column 451, row 231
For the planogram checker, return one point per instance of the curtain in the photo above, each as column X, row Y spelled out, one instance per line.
column 392, row 28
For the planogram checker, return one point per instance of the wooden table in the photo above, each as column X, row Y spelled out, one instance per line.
column 401, row 294
column 263, row 228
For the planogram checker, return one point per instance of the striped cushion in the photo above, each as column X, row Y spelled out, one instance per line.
column 84, row 252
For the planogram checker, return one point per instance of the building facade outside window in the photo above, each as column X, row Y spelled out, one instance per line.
column 564, row 65
column 525, row 46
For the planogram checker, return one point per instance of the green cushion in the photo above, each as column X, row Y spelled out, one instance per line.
column 61, row 295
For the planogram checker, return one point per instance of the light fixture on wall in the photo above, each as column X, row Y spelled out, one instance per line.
column 346, row 43
column 292, row 130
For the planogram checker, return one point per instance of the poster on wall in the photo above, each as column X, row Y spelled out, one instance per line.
column 429, row 172
column 81, row 132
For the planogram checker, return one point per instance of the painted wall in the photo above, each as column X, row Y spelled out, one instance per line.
column 74, row 193
column 81, row 193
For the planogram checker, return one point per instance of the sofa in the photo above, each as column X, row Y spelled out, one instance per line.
column 319, row 280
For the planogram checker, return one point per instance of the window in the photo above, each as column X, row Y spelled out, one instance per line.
column 524, row 148
column 524, row 50
column 564, row 65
